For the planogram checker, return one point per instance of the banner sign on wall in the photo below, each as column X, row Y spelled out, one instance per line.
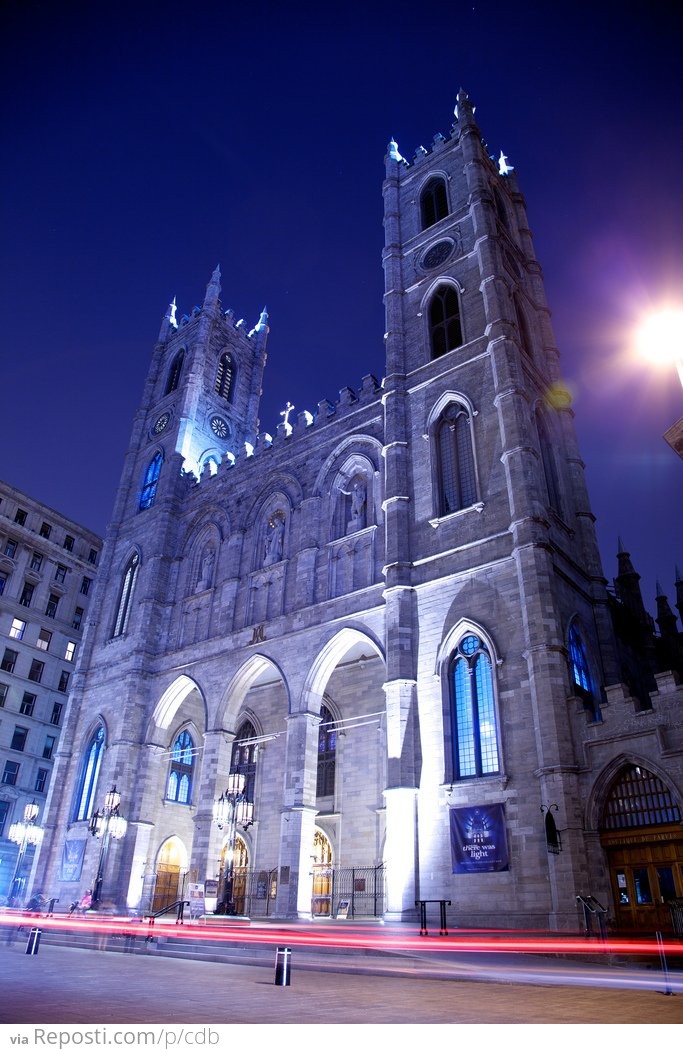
column 72, row 860
column 478, row 839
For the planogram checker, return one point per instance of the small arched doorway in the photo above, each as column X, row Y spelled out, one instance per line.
column 321, row 899
column 234, row 869
column 170, row 873
column 642, row 834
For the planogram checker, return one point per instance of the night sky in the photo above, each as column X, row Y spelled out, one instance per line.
column 142, row 144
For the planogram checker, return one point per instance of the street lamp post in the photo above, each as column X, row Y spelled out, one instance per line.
column 24, row 833
column 232, row 810
column 106, row 825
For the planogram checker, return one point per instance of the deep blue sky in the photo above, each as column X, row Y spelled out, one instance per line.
column 142, row 144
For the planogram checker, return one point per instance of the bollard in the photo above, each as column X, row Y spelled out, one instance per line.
column 283, row 966
column 33, row 943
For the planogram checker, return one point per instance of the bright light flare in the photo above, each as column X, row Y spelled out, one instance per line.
column 659, row 338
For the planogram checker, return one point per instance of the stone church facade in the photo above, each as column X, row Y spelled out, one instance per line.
column 391, row 617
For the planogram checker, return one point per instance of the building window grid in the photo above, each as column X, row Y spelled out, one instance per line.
column 10, row 774
column 44, row 639
column 36, row 670
column 56, row 716
column 327, row 754
column 19, row 738
column 9, row 660
column 52, row 606
column 41, row 781
column 27, row 595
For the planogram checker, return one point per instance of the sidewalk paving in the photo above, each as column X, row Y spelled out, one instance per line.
column 71, row 985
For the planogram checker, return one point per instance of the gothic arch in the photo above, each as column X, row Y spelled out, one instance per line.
column 170, row 701
column 455, row 634
column 332, row 653
column 361, row 445
column 602, row 787
column 258, row 668
column 203, row 538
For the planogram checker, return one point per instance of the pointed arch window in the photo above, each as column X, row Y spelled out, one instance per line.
column 179, row 784
column 639, row 799
column 457, row 477
column 225, row 377
column 445, row 328
column 84, row 801
column 327, row 753
column 552, row 483
column 433, row 203
column 174, row 372
column 126, row 596
column 149, row 485
column 474, row 733
column 244, row 757
column 581, row 677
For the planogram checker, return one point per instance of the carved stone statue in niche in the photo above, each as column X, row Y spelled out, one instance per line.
column 206, row 575
column 275, row 538
column 359, row 500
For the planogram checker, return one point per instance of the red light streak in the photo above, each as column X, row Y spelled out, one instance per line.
column 359, row 937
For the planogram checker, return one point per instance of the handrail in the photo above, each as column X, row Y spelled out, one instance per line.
column 180, row 905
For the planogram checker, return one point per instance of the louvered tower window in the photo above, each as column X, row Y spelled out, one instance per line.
column 444, row 321
column 433, row 203
column 457, row 479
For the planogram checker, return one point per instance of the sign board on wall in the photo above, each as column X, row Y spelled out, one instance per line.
column 478, row 839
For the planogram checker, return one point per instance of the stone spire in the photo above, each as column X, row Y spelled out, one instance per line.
column 666, row 617
column 213, row 290
column 169, row 322
column 627, row 585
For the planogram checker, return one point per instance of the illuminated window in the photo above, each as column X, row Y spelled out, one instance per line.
column 179, row 785
column 149, row 485
column 17, row 628
column 433, row 202
column 174, row 372
column 126, row 596
column 244, row 757
column 70, row 653
column 581, row 678
column 444, row 321
column 474, row 737
column 225, row 377
column 455, row 459
column 84, row 802
column 327, row 753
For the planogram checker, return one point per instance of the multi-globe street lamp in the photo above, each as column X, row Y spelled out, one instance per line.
column 24, row 833
column 232, row 810
column 106, row 825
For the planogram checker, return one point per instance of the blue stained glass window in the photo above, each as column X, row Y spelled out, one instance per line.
column 473, row 713
column 179, row 784
column 90, row 771
column 149, row 485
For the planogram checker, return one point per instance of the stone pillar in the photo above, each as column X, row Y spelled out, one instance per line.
column 140, row 832
column 400, row 854
column 295, row 881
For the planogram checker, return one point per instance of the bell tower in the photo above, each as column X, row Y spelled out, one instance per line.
column 201, row 396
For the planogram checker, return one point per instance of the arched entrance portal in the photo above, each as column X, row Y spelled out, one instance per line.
column 321, row 900
column 170, row 873
column 642, row 834
column 234, row 868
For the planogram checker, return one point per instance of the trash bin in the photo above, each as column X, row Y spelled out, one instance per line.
column 33, row 943
column 283, row 966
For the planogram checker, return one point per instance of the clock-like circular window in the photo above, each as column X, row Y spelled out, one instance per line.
column 219, row 426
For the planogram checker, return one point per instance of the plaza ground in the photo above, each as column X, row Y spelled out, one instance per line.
column 72, row 985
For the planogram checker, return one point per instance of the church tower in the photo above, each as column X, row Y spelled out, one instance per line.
column 386, row 628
